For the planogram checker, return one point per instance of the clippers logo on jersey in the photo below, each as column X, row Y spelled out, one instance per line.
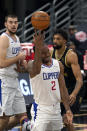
column 15, row 50
column 52, row 75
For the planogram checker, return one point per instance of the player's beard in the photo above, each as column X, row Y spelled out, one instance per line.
column 13, row 33
column 45, row 61
column 57, row 47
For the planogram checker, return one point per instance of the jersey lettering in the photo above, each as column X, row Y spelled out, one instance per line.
column 15, row 50
column 53, row 85
column 52, row 75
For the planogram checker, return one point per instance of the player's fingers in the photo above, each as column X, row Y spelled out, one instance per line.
column 72, row 101
column 65, row 120
column 44, row 34
column 35, row 33
column 69, row 117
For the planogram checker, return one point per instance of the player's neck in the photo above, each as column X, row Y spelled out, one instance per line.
column 11, row 35
column 61, row 51
column 48, row 63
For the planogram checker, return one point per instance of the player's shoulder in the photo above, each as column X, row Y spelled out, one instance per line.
column 72, row 57
column 3, row 36
column 55, row 62
column 4, row 39
column 71, row 53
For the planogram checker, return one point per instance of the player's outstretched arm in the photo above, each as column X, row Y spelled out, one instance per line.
column 34, row 67
column 64, row 94
column 72, row 60
column 63, row 89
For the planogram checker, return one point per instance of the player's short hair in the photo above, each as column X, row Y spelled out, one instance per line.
column 10, row 15
column 61, row 32
column 72, row 27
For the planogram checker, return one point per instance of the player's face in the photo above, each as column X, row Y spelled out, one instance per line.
column 58, row 41
column 11, row 25
column 71, row 31
column 72, row 47
column 45, row 55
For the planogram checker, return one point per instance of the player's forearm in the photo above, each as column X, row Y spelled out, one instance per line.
column 37, row 60
column 38, row 48
column 64, row 93
column 63, row 89
column 66, row 104
column 78, row 86
column 9, row 61
column 65, row 98
column 37, row 54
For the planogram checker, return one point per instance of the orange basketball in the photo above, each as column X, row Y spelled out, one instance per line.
column 40, row 20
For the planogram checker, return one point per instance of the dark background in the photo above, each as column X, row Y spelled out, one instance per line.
column 21, row 8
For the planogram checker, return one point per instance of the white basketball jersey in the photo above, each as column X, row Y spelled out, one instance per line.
column 45, row 85
column 12, row 51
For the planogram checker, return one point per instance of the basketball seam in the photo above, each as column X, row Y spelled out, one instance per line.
column 39, row 20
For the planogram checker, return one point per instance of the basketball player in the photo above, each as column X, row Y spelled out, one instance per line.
column 12, row 101
column 48, row 85
column 72, row 73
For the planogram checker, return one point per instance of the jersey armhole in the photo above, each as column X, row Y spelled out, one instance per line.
column 65, row 58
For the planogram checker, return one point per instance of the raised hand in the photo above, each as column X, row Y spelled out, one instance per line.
column 38, row 38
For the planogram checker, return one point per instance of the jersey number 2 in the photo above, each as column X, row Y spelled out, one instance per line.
column 53, row 85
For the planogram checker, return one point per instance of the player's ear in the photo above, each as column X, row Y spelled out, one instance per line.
column 65, row 41
column 5, row 24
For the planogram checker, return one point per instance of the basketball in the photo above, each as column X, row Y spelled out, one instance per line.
column 40, row 20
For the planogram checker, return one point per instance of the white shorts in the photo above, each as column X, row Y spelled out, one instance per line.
column 48, row 119
column 12, row 98
column 44, row 127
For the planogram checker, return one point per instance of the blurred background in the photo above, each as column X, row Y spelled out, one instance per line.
column 62, row 12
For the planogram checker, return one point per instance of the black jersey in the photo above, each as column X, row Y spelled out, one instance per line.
column 68, row 74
